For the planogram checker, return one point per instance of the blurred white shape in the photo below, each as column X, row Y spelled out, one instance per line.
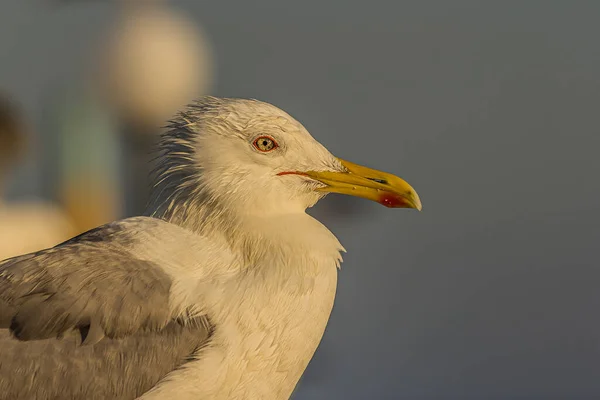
column 26, row 227
column 156, row 60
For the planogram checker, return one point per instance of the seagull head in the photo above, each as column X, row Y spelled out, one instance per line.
column 247, row 156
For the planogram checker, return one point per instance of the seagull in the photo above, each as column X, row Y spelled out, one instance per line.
column 223, row 291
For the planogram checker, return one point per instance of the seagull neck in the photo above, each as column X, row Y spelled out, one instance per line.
column 205, row 220
column 239, row 229
column 204, row 216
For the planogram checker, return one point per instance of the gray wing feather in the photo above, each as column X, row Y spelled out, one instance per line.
column 63, row 288
column 90, row 290
column 111, row 369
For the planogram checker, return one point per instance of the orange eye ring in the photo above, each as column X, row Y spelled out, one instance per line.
column 265, row 144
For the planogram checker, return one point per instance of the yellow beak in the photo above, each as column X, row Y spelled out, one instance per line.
column 384, row 188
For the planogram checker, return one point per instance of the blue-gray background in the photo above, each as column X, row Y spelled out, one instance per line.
column 490, row 109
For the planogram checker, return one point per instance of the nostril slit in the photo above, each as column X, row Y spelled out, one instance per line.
column 382, row 181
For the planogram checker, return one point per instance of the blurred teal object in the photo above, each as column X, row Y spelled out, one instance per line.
column 89, row 157
column 89, row 138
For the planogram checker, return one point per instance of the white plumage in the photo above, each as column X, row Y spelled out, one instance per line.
column 229, row 244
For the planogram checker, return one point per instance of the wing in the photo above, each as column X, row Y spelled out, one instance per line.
column 91, row 318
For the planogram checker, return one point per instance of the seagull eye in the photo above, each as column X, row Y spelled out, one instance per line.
column 265, row 144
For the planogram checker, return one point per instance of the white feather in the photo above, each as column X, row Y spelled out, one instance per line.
column 246, row 253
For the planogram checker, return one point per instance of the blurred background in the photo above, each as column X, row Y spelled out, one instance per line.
column 490, row 110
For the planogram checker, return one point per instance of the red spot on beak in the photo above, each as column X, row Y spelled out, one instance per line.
column 393, row 201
